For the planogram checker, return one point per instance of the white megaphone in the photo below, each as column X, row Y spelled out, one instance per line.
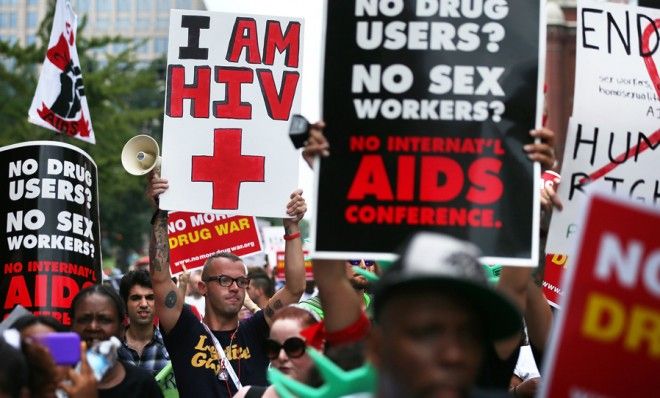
column 140, row 155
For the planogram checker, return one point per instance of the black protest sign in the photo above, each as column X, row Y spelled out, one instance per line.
column 50, row 246
column 428, row 104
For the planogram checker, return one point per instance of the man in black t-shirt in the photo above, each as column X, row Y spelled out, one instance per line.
column 195, row 358
column 197, row 367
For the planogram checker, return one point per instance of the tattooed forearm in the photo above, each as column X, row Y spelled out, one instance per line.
column 170, row 299
column 159, row 250
column 272, row 308
column 154, row 266
column 162, row 247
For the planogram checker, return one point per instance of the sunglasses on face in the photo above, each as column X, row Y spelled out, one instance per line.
column 368, row 263
column 226, row 280
column 294, row 347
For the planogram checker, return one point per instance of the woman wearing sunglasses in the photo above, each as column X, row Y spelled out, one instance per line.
column 285, row 348
column 344, row 328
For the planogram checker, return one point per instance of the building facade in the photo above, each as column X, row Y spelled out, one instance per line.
column 146, row 20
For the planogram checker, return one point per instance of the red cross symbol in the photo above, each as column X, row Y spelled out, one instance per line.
column 227, row 168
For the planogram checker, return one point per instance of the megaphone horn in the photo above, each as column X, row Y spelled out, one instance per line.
column 140, row 155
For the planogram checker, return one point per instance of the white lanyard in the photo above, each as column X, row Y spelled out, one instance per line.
column 224, row 362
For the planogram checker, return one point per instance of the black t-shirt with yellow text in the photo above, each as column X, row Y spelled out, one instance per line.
column 196, row 363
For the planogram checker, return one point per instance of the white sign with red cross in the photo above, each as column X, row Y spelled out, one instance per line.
column 233, row 83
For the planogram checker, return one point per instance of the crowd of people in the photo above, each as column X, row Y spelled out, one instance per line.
column 431, row 324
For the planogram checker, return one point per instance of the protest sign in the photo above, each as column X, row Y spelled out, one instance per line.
column 273, row 241
column 428, row 105
column 232, row 87
column 194, row 237
column 610, row 315
column 167, row 382
column 612, row 136
column 280, row 267
column 50, row 223
column 592, row 161
column 273, row 238
column 555, row 264
column 616, row 60
column 59, row 102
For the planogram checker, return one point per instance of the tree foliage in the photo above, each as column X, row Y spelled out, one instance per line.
column 125, row 98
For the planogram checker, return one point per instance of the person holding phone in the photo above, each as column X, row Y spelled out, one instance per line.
column 51, row 351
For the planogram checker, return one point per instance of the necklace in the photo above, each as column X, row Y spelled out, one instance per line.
column 228, row 366
column 231, row 345
column 223, row 358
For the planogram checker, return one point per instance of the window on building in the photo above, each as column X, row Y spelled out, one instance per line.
column 30, row 39
column 124, row 5
column 123, row 23
column 160, row 45
column 163, row 5
column 82, row 6
column 143, row 24
column 162, row 22
column 103, row 6
column 32, row 19
column 184, row 4
column 7, row 19
column 145, row 5
column 103, row 22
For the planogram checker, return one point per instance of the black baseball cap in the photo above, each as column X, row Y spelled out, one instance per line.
column 451, row 266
